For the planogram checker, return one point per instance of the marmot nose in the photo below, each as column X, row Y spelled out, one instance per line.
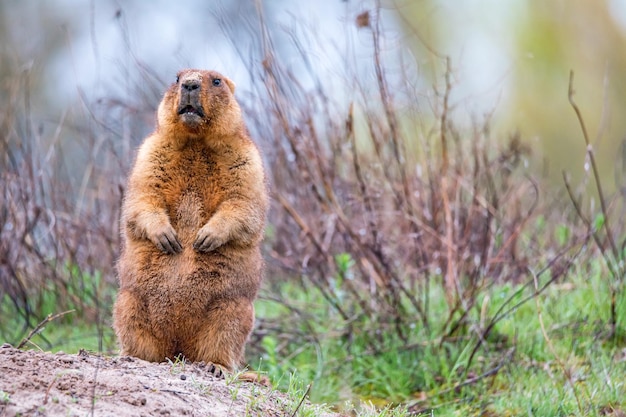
column 190, row 85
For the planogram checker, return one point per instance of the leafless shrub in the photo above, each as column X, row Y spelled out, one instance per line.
column 61, row 190
column 373, row 212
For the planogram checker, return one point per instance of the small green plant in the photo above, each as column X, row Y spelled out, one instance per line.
column 177, row 366
column 201, row 387
column 4, row 397
column 233, row 377
column 563, row 234
column 252, row 406
column 233, row 390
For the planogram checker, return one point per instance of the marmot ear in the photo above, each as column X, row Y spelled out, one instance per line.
column 230, row 84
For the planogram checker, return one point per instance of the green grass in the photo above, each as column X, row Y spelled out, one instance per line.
column 582, row 374
column 583, row 371
column 68, row 333
column 81, row 305
column 576, row 370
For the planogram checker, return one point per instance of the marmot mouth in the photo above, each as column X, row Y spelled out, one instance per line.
column 189, row 109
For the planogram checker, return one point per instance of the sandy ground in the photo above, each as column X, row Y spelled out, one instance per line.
column 46, row 384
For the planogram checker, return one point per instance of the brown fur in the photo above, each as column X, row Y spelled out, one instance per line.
column 192, row 221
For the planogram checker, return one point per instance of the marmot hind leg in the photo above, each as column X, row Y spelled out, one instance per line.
column 133, row 330
column 221, row 340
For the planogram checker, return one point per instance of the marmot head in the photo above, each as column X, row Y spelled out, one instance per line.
column 200, row 102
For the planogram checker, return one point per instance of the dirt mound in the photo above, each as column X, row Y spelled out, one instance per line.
column 45, row 384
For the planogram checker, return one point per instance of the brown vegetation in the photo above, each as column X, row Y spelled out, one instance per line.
column 376, row 202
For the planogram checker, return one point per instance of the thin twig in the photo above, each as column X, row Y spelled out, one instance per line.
column 616, row 269
column 308, row 388
column 594, row 166
column 38, row 328
column 93, row 387
column 591, row 230
column 45, row 398
column 451, row 281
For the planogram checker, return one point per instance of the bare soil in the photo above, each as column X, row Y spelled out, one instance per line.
column 57, row 384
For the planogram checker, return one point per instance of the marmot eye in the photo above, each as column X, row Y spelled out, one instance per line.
column 217, row 82
column 177, row 79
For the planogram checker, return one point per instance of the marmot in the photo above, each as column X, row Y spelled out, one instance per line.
column 193, row 217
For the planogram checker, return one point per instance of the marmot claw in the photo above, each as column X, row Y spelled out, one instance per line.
column 206, row 243
column 168, row 242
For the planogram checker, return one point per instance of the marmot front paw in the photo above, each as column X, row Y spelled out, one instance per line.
column 167, row 241
column 207, row 240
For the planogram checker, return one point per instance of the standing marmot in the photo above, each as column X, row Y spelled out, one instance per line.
column 192, row 221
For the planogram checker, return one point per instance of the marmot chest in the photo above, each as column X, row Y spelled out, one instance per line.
column 194, row 181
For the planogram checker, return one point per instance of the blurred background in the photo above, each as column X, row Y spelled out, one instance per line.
column 509, row 59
